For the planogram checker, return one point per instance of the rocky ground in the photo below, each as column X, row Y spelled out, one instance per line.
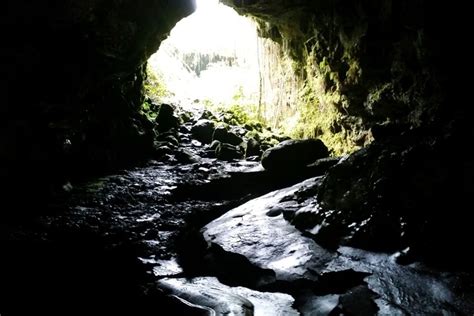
column 205, row 230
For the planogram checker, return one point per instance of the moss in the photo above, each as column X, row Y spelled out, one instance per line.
column 244, row 115
column 154, row 86
column 149, row 111
column 238, row 113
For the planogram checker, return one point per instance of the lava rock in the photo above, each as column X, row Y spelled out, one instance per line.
column 269, row 242
column 294, row 154
column 215, row 298
column 358, row 301
column 186, row 156
column 203, row 130
column 223, row 135
column 253, row 148
column 214, row 144
column 207, row 115
column 169, row 138
column 184, row 129
column 228, row 152
column 166, row 119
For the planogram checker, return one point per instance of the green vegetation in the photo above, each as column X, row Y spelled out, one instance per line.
column 238, row 112
column 320, row 102
column 149, row 110
column 316, row 121
column 155, row 88
column 246, row 115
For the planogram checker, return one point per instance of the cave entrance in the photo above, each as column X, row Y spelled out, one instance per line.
column 210, row 58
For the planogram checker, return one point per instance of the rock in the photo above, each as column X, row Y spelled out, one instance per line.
column 170, row 139
column 223, row 135
column 203, row 130
column 387, row 130
column 159, row 145
column 166, row 119
column 184, row 129
column 207, row 115
column 239, row 130
column 269, row 242
column 196, row 143
column 228, row 152
column 320, row 305
column 214, row 144
column 248, row 127
column 178, row 306
column 358, row 301
column 293, row 154
column 209, row 294
column 365, row 282
column 253, row 148
column 186, row 156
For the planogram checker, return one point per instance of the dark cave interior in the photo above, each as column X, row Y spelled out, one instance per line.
column 72, row 87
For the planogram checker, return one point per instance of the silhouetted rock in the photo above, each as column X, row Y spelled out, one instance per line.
column 223, row 135
column 253, row 148
column 228, row 152
column 293, row 154
column 166, row 119
column 203, row 130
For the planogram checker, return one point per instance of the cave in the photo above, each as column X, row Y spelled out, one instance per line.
column 116, row 203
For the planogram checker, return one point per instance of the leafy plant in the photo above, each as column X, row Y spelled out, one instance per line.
column 155, row 88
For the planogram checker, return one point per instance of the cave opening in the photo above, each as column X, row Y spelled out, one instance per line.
column 219, row 59
column 210, row 57
column 123, row 200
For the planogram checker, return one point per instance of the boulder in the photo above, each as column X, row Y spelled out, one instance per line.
column 186, row 156
column 224, row 136
column 294, row 154
column 166, row 118
column 228, row 152
column 203, row 130
column 253, row 148
column 207, row 115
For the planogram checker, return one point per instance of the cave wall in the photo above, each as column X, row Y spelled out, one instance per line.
column 72, row 73
column 72, row 76
column 388, row 73
column 363, row 63
column 281, row 85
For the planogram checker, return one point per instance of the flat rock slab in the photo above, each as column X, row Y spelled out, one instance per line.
column 412, row 289
column 208, row 294
column 268, row 241
column 258, row 231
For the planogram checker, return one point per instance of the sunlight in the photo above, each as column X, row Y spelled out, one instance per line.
column 211, row 55
column 206, row 4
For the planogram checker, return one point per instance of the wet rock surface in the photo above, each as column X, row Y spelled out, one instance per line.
column 346, row 281
column 253, row 231
column 406, row 192
column 132, row 241
column 223, row 300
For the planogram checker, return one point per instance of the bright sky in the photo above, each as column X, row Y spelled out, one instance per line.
column 213, row 29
